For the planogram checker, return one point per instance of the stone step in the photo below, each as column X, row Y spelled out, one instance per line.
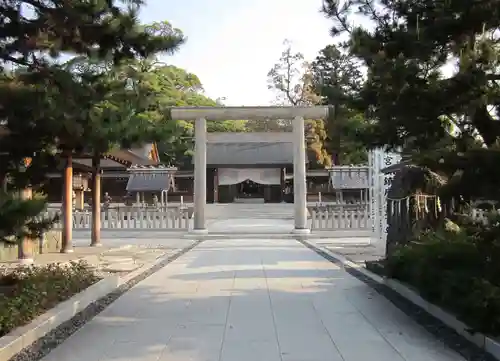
column 250, row 211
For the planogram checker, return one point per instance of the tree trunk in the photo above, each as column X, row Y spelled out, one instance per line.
column 67, row 235
column 96, row 201
column 4, row 181
column 25, row 245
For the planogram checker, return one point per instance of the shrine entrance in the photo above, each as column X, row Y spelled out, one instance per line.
column 200, row 115
column 249, row 185
column 249, row 189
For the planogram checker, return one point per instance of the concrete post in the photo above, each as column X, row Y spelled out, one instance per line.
column 200, row 175
column 299, row 177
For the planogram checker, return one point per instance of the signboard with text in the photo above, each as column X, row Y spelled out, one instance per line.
column 380, row 184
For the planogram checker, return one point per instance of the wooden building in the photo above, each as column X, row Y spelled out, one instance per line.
column 114, row 177
column 248, row 165
column 242, row 167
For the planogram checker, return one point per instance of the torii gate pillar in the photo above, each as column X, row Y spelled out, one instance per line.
column 201, row 114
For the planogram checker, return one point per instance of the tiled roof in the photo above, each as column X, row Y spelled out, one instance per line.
column 143, row 151
column 249, row 148
column 152, row 168
column 249, row 153
column 256, row 137
column 149, row 178
column 141, row 182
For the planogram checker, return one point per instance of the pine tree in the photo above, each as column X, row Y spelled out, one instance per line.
column 44, row 108
column 124, row 108
column 337, row 79
column 432, row 83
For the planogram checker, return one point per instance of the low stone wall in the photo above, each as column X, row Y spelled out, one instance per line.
column 51, row 243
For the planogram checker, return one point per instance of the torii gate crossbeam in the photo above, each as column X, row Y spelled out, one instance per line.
column 201, row 114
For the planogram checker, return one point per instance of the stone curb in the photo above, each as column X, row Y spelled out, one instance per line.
column 279, row 235
column 22, row 337
column 484, row 342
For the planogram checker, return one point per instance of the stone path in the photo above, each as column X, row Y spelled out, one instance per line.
column 251, row 226
column 117, row 258
column 258, row 300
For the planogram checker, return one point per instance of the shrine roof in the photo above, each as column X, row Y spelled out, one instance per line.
column 153, row 182
column 396, row 167
column 121, row 158
column 250, row 148
column 150, row 178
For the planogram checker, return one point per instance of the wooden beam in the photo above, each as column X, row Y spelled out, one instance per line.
column 249, row 113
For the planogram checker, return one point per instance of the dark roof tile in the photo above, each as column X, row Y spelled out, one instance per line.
column 249, row 153
column 141, row 182
column 250, row 148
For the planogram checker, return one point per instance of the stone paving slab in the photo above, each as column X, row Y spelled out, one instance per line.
column 112, row 258
column 258, row 300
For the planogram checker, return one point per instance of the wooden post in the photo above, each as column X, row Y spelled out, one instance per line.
column 4, row 182
column 25, row 245
column 79, row 201
column 96, row 202
column 67, row 234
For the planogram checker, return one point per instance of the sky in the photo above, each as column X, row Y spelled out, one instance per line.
column 232, row 44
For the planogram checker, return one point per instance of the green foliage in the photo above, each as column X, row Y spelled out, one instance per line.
column 476, row 166
column 48, row 108
column 120, row 104
column 88, row 103
column 459, row 271
column 177, row 87
column 103, row 28
column 336, row 79
column 336, row 76
column 432, row 79
column 29, row 292
column 291, row 79
column 19, row 218
column 345, row 137
column 431, row 88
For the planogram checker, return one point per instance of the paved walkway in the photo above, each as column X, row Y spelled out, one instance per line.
column 251, row 226
column 256, row 300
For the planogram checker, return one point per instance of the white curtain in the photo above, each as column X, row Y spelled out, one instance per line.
column 228, row 176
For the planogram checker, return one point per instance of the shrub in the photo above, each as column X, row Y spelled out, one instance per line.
column 26, row 293
column 21, row 218
column 459, row 271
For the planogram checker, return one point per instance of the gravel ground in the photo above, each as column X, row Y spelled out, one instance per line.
column 359, row 254
column 43, row 346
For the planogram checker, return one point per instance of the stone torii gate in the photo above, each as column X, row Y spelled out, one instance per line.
column 201, row 114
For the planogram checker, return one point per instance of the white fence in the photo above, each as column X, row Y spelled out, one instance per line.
column 356, row 217
column 332, row 217
column 482, row 215
column 130, row 218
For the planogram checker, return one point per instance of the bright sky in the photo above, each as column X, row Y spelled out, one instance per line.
column 232, row 44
